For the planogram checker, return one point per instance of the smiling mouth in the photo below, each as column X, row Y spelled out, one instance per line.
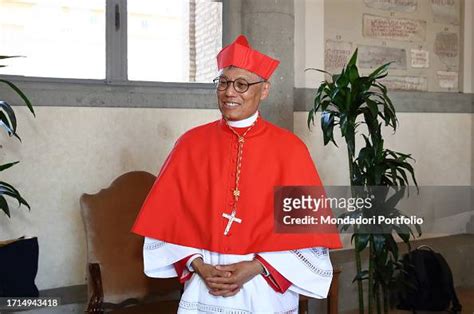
column 231, row 104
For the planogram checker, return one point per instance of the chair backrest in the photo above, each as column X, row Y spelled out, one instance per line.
column 108, row 217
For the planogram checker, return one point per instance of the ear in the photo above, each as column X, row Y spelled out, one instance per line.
column 265, row 90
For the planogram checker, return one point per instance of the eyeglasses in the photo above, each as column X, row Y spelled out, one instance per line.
column 240, row 85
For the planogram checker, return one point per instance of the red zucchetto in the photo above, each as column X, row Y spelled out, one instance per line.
column 241, row 55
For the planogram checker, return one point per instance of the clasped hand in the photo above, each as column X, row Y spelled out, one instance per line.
column 226, row 280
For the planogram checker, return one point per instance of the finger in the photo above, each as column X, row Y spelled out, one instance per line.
column 230, row 267
column 220, row 273
column 220, row 286
column 219, row 293
column 231, row 293
column 229, row 280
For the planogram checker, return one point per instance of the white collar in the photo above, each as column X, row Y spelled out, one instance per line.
column 245, row 122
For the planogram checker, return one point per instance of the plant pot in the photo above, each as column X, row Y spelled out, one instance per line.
column 18, row 267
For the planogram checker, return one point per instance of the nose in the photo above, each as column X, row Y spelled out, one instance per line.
column 230, row 91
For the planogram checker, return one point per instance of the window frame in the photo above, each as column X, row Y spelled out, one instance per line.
column 116, row 68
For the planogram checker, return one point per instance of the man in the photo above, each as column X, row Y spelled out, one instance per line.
column 209, row 216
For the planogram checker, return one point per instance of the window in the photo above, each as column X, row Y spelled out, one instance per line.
column 173, row 40
column 168, row 40
column 59, row 38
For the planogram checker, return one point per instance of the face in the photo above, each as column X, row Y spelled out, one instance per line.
column 236, row 106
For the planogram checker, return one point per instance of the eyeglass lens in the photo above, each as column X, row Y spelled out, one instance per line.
column 240, row 85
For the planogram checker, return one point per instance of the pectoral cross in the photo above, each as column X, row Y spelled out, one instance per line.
column 231, row 218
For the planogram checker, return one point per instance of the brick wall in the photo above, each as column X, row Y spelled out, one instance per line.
column 207, row 40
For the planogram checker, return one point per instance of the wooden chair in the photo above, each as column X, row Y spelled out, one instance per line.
column 114, row 255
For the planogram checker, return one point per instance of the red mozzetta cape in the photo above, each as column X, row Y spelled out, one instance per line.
column 194, row 188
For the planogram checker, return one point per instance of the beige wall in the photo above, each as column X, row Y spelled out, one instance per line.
column 70, row 151
column 438, row 141
column 309, row 42
column 309, row 36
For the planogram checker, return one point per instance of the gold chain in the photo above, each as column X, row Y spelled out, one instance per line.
column 241, row 141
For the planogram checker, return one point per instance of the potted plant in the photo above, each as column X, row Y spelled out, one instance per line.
column 19, row 257
column 349, row 100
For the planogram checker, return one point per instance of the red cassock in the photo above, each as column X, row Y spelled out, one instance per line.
column 195, row 187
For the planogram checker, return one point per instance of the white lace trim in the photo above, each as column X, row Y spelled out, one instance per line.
column 319, row 251
column 153, row 245
column 312, row 267
column 208, row 308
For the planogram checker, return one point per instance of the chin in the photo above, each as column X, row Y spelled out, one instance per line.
column 232, row 116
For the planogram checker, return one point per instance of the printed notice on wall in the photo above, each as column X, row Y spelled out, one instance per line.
column 446, row 47
column 393, row 28
column 446, row 11
column 336, row 55
column 448, row 79
column 393, row 5
column 412, row 83
column 420, row 58
column 422, row 40
column 372, row 57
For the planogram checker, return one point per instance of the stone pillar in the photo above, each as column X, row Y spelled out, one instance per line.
column 232, row 20
column 269, row 26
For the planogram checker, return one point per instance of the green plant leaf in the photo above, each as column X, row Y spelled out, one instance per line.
column 353, row 74
column 353, row 60
column 8, row 122
column 327, row 125
column 3, row 123
column 319, row 70
column 363, row 275
column 21, row 94
column 379, row 243
column 9, row 119
column 403, row 232
column 418, row 229
column 8, row 57
column 350, row 139
column 380, row 72
column 360, row 241
column 391, row 245
column 21, row 200
column 342, row 80
column 6, row 166
column 8, row 189
column 393, row 200
column 374, row 110
column 311, row 118
column 4, row 206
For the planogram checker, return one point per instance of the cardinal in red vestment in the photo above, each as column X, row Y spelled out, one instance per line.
column 209, row 217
